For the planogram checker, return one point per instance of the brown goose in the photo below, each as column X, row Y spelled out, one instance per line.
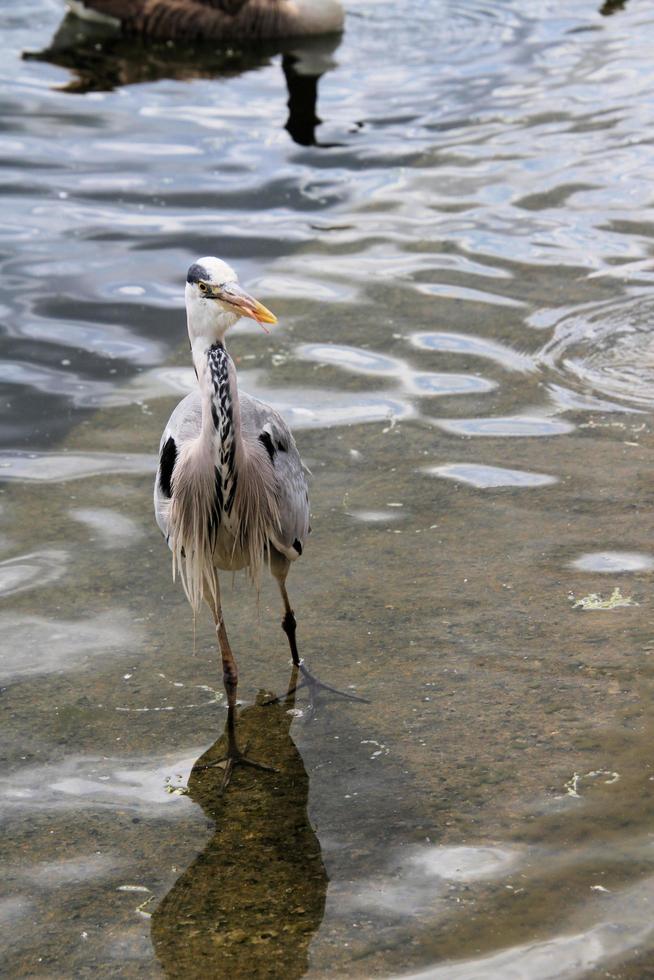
column 216, row 19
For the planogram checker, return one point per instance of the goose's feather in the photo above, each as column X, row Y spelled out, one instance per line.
column 217, row 19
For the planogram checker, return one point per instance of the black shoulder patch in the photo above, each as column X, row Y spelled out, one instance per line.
column 167, row 462
column 265, row 439
column 298, row 546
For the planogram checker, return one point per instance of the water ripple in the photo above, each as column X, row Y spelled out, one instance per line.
column 507, row 427
column 448, row 383
column 421, row 878
column 624, row 925
column 607, row 346
column 60, row 467
column 472, row 346
column 450, row 291
column 70, row 871
column 303, row 408
column 30, row 571
column 360, row 361
column 376, row 516
column 610, row 562
column 82, row 392
column 100, row 782
column 110, row 529
column 351, row 358
column 485, row 477
column 12, row 910
column 106, row 340
column 36, row 645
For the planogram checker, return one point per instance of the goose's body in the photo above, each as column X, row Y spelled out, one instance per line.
column 216, row 19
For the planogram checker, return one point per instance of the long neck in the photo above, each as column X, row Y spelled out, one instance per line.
column 220, row 481
column 221, row 420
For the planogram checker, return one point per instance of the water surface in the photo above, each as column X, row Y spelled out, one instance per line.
column 457, row 238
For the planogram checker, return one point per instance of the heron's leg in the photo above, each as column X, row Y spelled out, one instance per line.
column 289, row 624
column 234, row 756
column 309, row 681
column 230, row 670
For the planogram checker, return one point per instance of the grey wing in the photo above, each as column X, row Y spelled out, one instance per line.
column 183, row 424
column 260, row 421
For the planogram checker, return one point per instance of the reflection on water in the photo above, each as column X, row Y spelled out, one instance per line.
column 251, row 902
column 58, row 467
column 518, row 426
column 37, row 645
column 98, row 783
column 574, row 955
column 102, row 59
column 418, row 880
column 373, row 363
column 302, row 407
column 485, row 477
column 473, row 346
column 614, row 561
column 608, row 914
column 110, row 529
column 31, row 571
column 53, row 874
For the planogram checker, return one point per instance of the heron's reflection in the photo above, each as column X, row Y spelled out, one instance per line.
column 251, row 902
column 101, row 59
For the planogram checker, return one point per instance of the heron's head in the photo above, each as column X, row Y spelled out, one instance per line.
column 215, row 301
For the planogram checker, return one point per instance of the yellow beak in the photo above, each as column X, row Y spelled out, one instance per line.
column 245, row 304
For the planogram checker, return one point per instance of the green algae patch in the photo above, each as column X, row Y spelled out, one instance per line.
column 173, row 790
column 594, row 601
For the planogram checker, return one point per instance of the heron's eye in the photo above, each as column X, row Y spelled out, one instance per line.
column 202, row 286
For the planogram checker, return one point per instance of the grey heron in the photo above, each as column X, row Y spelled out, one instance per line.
column 231, row 490
column 216, row 19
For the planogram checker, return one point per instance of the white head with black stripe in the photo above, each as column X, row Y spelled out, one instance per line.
column 215, row 301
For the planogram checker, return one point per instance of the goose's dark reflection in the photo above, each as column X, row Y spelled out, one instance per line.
column 302, row 101
column 101, row 59
column 251, row 902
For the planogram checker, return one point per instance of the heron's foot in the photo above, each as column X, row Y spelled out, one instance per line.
column 314, row 687
column 234, row 757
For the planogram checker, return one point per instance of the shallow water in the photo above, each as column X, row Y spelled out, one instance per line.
column 460, row 256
